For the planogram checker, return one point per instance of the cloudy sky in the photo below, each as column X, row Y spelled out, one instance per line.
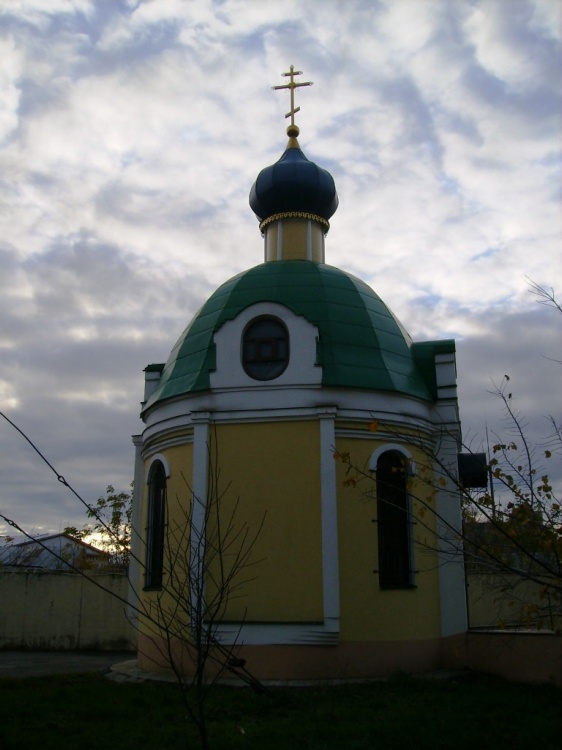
column 131, row 133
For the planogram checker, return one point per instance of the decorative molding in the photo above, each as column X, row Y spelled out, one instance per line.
column 152, row 460
column 275, row 634
column 399, row 448
column 295, row 215
column 301, row 368
column 162, row 443
column 269, row 402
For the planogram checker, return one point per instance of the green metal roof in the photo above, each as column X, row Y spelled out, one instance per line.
column 361, row 343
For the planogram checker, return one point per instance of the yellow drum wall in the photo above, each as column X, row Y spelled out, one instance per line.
column 369, row 613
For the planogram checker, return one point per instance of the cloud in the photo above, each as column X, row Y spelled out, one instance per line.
column 130, row 134
column 522, row 345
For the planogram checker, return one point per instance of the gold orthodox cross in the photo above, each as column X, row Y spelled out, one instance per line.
column 292, row 85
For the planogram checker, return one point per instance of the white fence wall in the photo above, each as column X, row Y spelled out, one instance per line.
column 56, row 610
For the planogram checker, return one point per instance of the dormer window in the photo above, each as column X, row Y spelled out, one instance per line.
column 265, row 348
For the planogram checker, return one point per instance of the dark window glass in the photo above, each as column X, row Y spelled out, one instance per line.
column 393, row 522
column 156, row 526
column 265, row 348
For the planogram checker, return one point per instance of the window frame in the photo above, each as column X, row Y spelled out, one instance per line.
column 252, row 365
column 155, row 526
column 394, row 525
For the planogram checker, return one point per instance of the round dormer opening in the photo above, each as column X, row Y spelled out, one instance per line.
column 265, row 348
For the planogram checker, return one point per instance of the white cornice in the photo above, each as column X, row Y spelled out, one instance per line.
column 265, row 402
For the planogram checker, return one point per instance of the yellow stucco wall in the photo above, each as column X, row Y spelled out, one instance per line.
column 280, row 504
column 284, row 494
column 284, row 582
column 368, row 612
column 294, row 242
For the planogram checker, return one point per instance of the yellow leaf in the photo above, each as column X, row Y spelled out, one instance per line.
column 374, row 426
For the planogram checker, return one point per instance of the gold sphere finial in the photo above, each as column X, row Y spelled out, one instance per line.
column 293, row 131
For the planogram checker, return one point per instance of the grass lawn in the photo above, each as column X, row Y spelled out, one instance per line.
column 88, row 711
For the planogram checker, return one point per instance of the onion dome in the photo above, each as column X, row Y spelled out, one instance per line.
column 360, row 344
column 294, row 185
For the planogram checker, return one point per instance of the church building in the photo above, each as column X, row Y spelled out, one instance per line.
column 293, row 475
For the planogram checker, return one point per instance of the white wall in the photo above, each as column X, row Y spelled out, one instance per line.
column 56, row 610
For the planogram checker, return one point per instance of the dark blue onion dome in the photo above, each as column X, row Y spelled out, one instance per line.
column 293, row 186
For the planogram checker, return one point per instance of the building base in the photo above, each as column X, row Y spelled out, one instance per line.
column 290, row 663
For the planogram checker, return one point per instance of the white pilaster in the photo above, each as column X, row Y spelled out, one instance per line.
column 135, row 564
column 329, row 504
column 279, row 240
column 454, row 618
column 199, row 499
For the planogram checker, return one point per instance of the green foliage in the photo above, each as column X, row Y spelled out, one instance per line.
column 111, row 530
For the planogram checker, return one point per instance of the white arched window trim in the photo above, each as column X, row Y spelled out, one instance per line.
column 163, row 460
column 393, row 447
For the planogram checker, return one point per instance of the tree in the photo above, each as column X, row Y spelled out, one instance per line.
column 513, row 530
column 112, row 526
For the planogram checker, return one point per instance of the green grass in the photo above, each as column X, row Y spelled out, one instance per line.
column 87, row 711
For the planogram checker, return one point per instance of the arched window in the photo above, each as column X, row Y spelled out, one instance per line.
column 393, row 521
column 265, row 348
column 155, row 525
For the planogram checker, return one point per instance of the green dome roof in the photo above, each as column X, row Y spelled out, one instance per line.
column 361, row 343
